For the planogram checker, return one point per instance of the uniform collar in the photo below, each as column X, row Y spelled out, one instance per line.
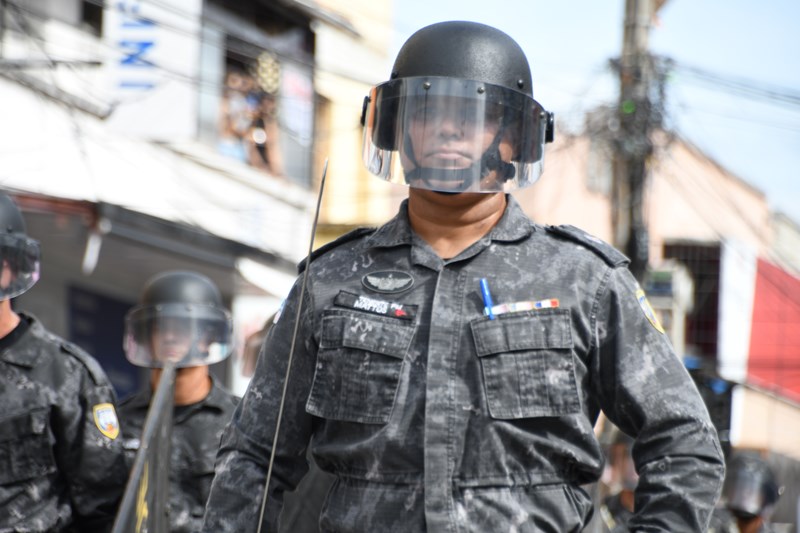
column 512, row 226
column 396, row 232
column 26, row 351
column 216, row 398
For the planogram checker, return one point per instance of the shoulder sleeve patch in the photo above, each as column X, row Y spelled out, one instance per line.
column 325, row 248
column 105, row 418
column 91, row 365
column 608, row 253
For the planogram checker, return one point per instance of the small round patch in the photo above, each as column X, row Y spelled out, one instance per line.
column 105, row 418
column 648, row 311
column 388, row 281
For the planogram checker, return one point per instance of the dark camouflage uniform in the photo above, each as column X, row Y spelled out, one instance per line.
column 435, row 417
column 58, row 471
column 196, row 432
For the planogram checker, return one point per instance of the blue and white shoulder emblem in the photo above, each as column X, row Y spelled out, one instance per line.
column 388, row 281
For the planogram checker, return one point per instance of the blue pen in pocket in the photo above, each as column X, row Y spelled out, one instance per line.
column 487, row 298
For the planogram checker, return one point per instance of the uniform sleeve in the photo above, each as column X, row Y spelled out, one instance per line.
column 647, row 392
column 234, row 503
column 89, row 448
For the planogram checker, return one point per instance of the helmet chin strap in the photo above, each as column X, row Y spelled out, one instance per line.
column 489, row 162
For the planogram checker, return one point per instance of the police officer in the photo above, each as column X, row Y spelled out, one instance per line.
column 61, row 462
column 450, row 366
column 181, row 317
column 750, row 492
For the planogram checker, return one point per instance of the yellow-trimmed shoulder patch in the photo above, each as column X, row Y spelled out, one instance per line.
column 105, row 418
column 648, row 311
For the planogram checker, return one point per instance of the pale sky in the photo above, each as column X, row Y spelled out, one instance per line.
column 569, row 43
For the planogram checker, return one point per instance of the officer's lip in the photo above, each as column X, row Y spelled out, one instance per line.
column 445, row 153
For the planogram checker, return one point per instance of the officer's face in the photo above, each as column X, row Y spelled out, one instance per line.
column 172, row 338
column 446, row 134
column 451, row 133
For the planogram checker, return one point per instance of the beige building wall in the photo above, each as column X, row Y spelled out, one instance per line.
column 691, row 197
column 563, row 195
column 786, row 245
column 347, row 67
column 688, row 196
column 763, row 421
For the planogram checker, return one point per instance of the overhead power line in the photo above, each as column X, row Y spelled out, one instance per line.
column 737, row 86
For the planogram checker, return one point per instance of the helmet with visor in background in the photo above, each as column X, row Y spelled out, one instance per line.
column 19, row 253
column 180, row 319
column 750, row 488
column 459, row 113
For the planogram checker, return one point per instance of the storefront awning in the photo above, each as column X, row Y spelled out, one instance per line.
column 50, row 149
column 759, row 324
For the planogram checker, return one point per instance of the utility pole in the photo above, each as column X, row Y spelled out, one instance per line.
column 638, row 115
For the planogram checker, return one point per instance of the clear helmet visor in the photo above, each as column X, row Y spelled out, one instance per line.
column 20, row 264
column 453, row 135
column 744, row 493
column 188, row 335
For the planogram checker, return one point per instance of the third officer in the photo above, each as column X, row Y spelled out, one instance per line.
column 180, row 317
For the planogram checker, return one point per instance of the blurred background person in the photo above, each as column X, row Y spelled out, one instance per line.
column 262, row 143
column 181, row 318
column 62, row 466
column 235, row 116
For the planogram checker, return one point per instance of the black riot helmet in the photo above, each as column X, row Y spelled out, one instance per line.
column 180, row 318
column 459, row 110
column 750, row 487
column 19, row 253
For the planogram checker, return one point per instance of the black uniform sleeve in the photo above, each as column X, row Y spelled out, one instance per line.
column 89, row 447
column 243, row 458
column 647, row 392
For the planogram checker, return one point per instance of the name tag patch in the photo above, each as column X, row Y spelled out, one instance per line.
column 375, row 306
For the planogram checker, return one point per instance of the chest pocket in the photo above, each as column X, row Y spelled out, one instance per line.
column 527, row 364
column 26, row 447
column 358, row 366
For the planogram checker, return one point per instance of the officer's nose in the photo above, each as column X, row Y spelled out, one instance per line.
column 450, row 127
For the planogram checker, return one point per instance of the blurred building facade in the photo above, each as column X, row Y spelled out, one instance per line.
column 348, row 66
column 146, row 135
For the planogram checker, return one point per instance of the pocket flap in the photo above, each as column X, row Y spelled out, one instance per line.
column 33, row 422
column 387, row 336
column 534, row 330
